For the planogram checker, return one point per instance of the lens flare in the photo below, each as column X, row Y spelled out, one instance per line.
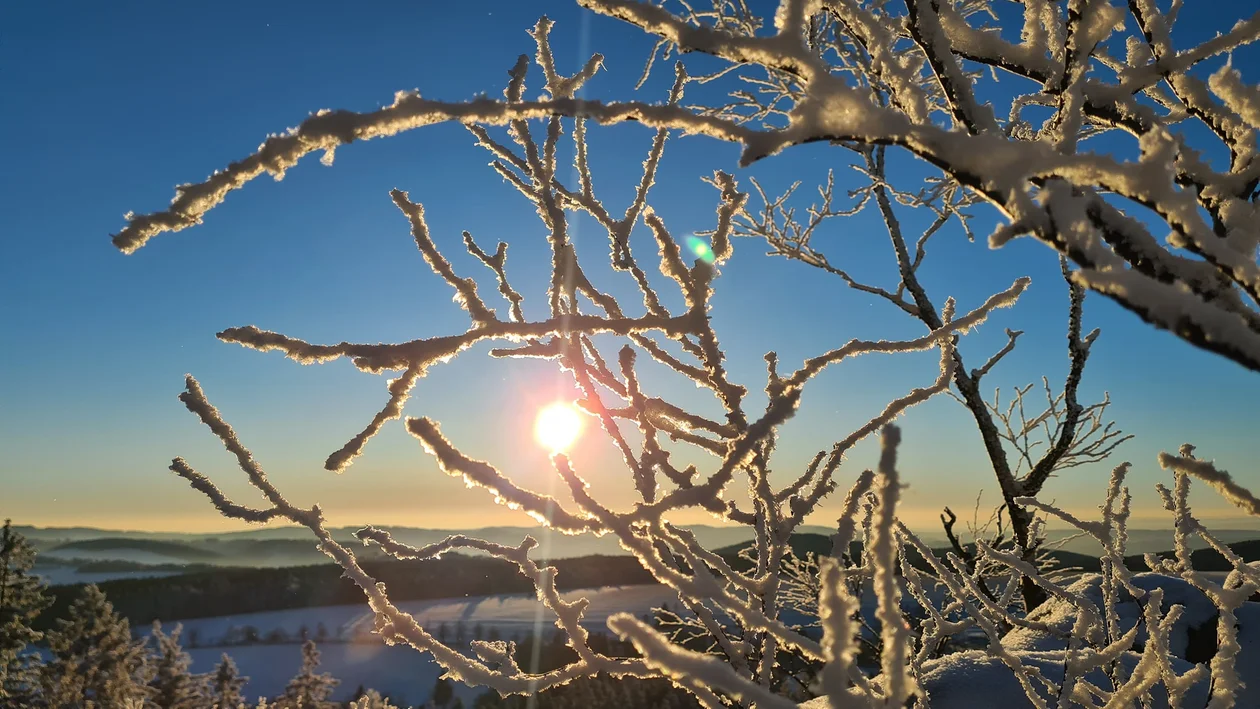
column 558, row 427
column 701, row 249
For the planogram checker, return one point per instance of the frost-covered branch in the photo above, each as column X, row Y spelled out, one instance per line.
column 871, row 78
column 1219, row 479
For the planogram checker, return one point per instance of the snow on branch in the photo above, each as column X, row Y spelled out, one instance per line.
column 1219, row 479
column 865, row 77
column 327, row 130
column 880, row 103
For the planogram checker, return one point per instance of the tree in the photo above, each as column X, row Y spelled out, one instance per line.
column 442, row 693
column 94, row 660
column 371, row 699
column 308, row 689
column 861, row 77
column 174, row 686
column 226, row 685
column 1067, row 433
column 22, row 597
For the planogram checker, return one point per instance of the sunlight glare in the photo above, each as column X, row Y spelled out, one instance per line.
column 558, row 426
column 702, row 250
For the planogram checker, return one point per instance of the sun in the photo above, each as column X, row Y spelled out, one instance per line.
column 558, row 426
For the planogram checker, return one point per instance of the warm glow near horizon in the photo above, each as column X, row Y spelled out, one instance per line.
column 558, row 426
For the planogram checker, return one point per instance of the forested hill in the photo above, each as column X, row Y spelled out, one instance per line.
column 115, row 546
column 232, row 591
column 223, row 591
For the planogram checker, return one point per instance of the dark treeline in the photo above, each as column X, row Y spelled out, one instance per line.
column 234, row 591
column 231, row 591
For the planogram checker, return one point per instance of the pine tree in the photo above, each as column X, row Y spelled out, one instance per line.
column 372, row 699
column 174, row 685
column 307, row 689
column 443, row 692
column 22, row 597
column 226, row 685
column 95, row 662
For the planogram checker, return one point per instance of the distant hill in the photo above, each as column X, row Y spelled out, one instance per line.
column 1207, row 559
column 1202, row 559
column 1143, row 541
column 135, row 550
column 802, row 544
column 130, row 553
column 294, row 546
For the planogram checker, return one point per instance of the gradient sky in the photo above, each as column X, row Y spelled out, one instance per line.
column 107, row 106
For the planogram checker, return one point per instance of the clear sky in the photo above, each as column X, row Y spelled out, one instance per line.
column 107, row 106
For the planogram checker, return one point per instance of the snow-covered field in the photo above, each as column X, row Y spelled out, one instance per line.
column 509, row 614
column 399, row 671
column 357, row 657
column 362, row 659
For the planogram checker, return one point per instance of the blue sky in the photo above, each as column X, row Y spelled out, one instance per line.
column 108, row 106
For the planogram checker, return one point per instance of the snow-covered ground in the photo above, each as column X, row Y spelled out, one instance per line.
column 362, row 659
column 509, row 614
column 401, row 672
column 357, row 657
